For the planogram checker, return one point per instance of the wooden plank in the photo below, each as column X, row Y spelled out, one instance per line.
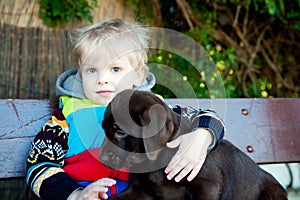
column 13, row 155
column 20, row 121
column 266, row 129
column 22, row 118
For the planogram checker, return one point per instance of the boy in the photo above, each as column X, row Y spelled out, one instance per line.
column 63, row 161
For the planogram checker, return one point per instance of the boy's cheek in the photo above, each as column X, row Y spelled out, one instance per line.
column 130, row 80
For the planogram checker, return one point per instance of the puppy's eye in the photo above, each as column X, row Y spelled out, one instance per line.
column 115, row 127
column 120, row 134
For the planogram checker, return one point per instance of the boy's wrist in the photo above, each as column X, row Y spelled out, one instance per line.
column 212, row 124
column 207, row 136
column 75, row 194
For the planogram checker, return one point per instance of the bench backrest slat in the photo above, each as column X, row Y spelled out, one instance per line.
column 265, row 129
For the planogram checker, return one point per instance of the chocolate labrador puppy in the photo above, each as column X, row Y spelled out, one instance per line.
column 138, row 125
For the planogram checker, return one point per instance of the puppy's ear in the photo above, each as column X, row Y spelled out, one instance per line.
column 157, row 133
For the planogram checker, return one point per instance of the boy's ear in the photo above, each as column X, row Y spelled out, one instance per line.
column 140, row 76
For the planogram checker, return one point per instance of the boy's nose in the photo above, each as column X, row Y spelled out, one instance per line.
column 103, row 78
column 102, row 82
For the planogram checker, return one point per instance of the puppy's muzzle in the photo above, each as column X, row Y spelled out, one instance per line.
column 110, row 159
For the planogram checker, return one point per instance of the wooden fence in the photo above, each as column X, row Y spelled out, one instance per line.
column 31, row 59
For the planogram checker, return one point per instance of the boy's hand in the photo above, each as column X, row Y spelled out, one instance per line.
column 95, row 191
column 190, row 155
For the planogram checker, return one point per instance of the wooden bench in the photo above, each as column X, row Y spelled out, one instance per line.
column 268, row 130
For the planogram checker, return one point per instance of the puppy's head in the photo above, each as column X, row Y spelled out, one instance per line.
column 137, row 124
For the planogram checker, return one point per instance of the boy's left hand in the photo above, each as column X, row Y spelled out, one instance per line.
column 190, row 155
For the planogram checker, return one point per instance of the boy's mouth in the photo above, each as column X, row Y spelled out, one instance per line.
column 105, row 93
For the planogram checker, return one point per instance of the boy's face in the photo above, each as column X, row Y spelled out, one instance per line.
column 101, row 82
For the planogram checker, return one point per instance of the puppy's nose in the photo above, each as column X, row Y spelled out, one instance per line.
column 113, row 157
column 109, row 157
column 104, row 157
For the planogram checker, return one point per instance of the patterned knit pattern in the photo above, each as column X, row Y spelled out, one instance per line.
column 51, row 142
column 48, row 150
column 49, row 172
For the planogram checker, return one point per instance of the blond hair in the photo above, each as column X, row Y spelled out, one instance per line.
column 113, row 37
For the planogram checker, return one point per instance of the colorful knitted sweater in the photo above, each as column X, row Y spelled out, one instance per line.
column 64, row 154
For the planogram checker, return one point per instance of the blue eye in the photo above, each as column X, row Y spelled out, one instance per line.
column 91, row 70
column 115, row 69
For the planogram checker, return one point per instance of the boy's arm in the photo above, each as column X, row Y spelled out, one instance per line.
column 44, row 173
column 204, row 118
column 207, row 134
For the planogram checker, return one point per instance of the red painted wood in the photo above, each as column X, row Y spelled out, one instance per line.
column 268, row 130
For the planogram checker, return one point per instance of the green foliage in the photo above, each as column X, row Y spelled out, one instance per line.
column 261, row 79
column 59, row 12
column 284, row 10
column 142, row 10
column 176, row 83
column 226, row 63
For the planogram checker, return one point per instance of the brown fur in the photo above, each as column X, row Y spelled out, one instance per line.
column 138, row 125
